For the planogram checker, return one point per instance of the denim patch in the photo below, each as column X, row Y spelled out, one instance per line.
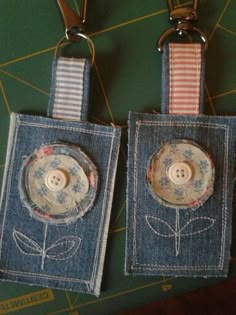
column 56, row 202
column 168, row 238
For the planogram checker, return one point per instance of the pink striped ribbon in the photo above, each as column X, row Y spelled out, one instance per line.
column 184, row 75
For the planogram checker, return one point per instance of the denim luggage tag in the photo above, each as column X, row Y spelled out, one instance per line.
column 180, row 177
column 58, row 188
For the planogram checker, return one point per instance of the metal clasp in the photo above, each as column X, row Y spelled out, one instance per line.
column 182, row 19
column 74, row 23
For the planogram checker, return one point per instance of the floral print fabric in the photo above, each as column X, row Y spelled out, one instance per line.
column 191, row 194
column 72, row 201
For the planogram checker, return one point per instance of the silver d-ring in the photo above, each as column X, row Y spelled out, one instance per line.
column 172, row 30
column 90, row 44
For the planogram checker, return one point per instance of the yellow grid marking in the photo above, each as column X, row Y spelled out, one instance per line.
column 220, row 18
column 135, row 20
column 102, row 122
column 34, row 54
column 149, row 285
column 223, row 94
column 99, row 32
column 40, row 52
column 75, row 300
column 118, row 215
column 226, row 29
column 69, row 301
column 118, row 230
column 104, row 93
column 210, row 100
column 23, row 81
column 5, row 97
column 125, row 292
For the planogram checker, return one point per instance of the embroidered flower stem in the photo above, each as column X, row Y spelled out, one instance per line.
column 44, row 246
column 177, row 233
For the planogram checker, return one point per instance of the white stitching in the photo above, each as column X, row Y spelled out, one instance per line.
column 26, row 274
column 177, row 233
column 224, row 213
column 98, row 133
column 18, row 123
column 160, row 234
column 200, row 231
column 20, row 237
column 103, row 212
column 8, row 182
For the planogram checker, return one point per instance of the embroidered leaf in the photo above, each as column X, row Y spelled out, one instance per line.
column 63, row 248
column 160, row 227
column 197, row 226
column 26, row 245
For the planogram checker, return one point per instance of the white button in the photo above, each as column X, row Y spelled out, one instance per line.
column 55, row 180
column 180, row 173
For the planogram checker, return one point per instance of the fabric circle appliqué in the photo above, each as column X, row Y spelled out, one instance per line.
column 181, row 175
column 58, row 183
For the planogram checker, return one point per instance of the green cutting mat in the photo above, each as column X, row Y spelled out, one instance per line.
column 127, row 76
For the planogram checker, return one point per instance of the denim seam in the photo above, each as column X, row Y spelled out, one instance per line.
column 100, row 252
column 224, row 219
column 8, row 183
column 26, row 274
column 107, row 134
column 18, row 123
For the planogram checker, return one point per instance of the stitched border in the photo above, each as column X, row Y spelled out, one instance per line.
column 19, row 123
column 224, row 206
column 41, row 125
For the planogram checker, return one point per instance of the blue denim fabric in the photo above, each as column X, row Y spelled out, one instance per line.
column 63, row 249
column 165, row 81
column 203, row 234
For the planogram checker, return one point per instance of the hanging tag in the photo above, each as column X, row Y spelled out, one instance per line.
column 58, row 188
column 180, row 177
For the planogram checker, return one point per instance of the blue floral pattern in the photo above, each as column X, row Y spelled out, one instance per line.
column 42, row 191
column 73, row 171
column 198, row 185
column 55, row 163
column 164, row 181
column 74, row 198
column 167, row 162
column 61, row 197
column 190, row 194
column 204, row 165
column 188, row 154
column 76, row 188
column 39, row 173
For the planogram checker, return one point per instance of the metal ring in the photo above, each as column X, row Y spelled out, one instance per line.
column 90, row 44
column 172, row 30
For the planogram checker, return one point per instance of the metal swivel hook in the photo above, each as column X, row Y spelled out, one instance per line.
column 182, row 19
column 74, row 23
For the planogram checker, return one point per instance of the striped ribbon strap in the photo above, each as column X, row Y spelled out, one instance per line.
column 69, row 89
column 185, row 79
